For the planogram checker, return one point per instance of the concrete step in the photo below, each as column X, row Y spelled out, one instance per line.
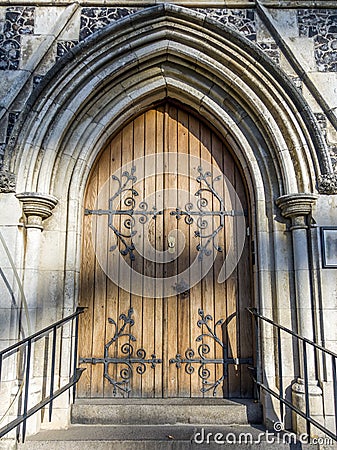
column 159, row 437
column 166, row 411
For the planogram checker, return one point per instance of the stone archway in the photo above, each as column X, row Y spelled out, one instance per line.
column 110, row 77
column 159, row 53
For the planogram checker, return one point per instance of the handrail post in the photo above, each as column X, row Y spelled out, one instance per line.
column 257, row 352
column 52, row 372
column 334, row 380
column 280, row 373
column 306, row 386
column 26, row 391
column 80, row 310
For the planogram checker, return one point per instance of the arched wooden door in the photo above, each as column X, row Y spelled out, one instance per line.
column 135, row 346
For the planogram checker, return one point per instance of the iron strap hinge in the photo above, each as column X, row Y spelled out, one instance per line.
column 198, row 214
column 153, row 361
column 236, row 361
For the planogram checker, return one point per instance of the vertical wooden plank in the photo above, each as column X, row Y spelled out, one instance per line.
column 170, row 268
column 195, row 292
column 137, row 264
column 112, row 288
column 98, row 337
column 230, row 333
column 207, row 281
column 166, row 355
column 124, row 294
column 220, row 294
column 183, row 316
column 159, row 306
column 87, row 288
column 149, row 266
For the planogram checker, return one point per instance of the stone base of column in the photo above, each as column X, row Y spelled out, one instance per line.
column 315, row 406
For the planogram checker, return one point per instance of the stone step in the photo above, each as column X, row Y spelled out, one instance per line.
column 166, row 411
column 159, row 437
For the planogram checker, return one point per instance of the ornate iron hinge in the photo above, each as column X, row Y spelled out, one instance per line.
column 201, row 216
column 198, row 214
column 131, row 359
column 126, row 187
column 204, row 349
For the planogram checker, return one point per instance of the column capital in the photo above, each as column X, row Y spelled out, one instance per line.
column 36, row 207
column 295, row 205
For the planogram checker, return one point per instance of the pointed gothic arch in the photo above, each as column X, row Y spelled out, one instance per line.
column 166, row 51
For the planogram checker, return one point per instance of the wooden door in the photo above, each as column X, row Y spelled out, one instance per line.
column 135, row 346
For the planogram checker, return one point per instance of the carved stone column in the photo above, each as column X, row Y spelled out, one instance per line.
column 298, row 208
column 36, row 208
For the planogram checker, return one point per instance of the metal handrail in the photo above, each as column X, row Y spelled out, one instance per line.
column 287, row 330
column 280, row 395
column 26, row 344
column 42, row 332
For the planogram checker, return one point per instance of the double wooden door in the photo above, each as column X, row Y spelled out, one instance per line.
column 198, row 341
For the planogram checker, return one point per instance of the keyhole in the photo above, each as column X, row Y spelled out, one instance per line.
column 171, row 242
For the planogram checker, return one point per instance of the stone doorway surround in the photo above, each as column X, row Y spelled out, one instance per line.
column 171, row 52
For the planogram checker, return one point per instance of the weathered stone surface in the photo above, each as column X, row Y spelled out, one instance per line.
column 241, row 20
column 165, row 437
column 304, row 51
column 7, row 181
column 45, row 18
column 327, row 183
column 286, row 22
column 166, row 411
column 95, row 18
column 321, row 25
column 19, row 21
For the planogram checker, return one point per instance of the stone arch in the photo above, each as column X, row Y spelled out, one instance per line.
column 166, row 52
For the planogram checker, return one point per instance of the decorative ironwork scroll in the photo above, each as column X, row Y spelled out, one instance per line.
column 201, row 216
column 133, row 359
column 126, row 188
column 198, row 214
column 201, row 358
